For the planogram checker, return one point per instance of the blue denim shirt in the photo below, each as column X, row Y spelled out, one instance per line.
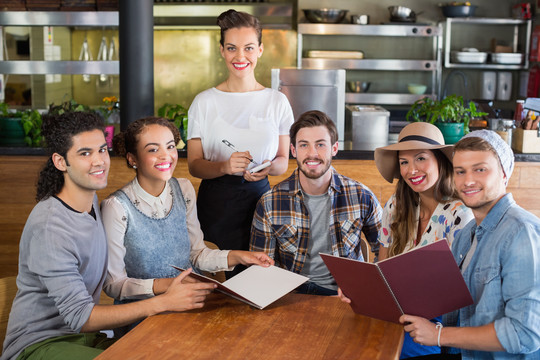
column 504, row 280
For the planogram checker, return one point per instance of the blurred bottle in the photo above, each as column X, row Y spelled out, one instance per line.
column 519, row 112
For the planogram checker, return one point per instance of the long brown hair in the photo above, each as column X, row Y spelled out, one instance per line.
column 405, row 223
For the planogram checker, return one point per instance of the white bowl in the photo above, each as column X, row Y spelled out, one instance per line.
column 469, row 57
column 417, row 89
column 507, row 58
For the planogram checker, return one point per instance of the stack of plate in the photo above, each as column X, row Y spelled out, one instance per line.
column 469, row 57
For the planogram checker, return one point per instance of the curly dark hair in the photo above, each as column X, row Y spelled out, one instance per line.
column 126, row 141
column 58, row 131
column 232, row 19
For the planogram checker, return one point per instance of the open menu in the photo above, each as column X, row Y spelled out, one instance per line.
column 257, row 286
column 425, row 281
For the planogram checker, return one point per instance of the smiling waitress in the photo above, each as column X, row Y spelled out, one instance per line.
column 254, row 119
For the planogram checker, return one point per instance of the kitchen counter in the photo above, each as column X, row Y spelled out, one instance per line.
column 341, row 155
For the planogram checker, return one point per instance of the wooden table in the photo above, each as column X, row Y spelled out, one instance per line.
column 294, row 327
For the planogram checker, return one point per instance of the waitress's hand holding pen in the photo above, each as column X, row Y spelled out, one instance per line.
column 238, row 162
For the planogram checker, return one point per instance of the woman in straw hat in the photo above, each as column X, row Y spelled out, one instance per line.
column 424, row 207
column 425, row 194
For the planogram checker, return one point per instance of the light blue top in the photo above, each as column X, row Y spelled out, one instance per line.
column 504, row 280
column 149, row 256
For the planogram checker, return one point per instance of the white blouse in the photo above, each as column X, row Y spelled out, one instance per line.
column 445, row 223
column 251, row 121
column 117, row 284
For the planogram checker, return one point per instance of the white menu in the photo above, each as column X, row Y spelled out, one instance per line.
column 257, row 286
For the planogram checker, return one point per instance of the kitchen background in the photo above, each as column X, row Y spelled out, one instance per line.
column 187, row 59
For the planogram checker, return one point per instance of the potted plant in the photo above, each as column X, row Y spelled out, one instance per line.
column 67, row 106
column 105, row 112
column 451, row 115
column 111, row 115
column 111, row 111
column 20, row 127
column 31, row 123
column 177, row 114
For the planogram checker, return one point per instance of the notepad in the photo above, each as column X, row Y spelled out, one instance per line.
column 257, row 286
column 425, row 281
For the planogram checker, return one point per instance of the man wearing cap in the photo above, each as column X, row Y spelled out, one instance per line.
column 499, row 256
column 315, row 209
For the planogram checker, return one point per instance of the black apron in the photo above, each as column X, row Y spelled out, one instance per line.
column 225, row 207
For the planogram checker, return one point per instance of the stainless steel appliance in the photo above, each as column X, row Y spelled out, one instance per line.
column 369, row 126
column 314, row 89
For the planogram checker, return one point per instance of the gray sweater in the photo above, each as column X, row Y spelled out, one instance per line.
column 62, row 267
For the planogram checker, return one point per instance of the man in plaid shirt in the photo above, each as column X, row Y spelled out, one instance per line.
column 315, row 210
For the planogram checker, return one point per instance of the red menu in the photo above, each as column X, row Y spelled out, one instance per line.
column 425, row 281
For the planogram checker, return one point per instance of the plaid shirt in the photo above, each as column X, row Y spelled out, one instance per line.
column 281, row 222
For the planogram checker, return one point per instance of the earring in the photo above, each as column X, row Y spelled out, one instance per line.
column 134, row 166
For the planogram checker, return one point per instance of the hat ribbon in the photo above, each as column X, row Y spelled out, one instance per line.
column 420, row 138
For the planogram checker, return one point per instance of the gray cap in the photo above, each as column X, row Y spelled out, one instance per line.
column 501, row 147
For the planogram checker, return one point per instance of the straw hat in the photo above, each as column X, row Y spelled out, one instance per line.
column 415, row 136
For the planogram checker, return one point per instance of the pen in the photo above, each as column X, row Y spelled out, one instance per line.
column 232, row 147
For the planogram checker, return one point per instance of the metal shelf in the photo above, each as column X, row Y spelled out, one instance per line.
column 485, row 66
column 272, row 15
column 187, row 16
column 58, row 18
column 517, row 24
column 32, row 67
column 433, row 65
column 370, row 64
column 370, row 30
column 384, row 98
column 486, row 21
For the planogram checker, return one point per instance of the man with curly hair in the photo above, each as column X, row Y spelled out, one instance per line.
column 63, row 254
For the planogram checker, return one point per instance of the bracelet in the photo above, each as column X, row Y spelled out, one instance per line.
column 439, row 326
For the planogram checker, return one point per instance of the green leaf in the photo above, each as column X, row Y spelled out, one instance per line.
column 4, row 109
column 27, row 126
column 177, row 114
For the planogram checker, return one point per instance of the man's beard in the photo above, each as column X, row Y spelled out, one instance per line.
column 312, row 174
